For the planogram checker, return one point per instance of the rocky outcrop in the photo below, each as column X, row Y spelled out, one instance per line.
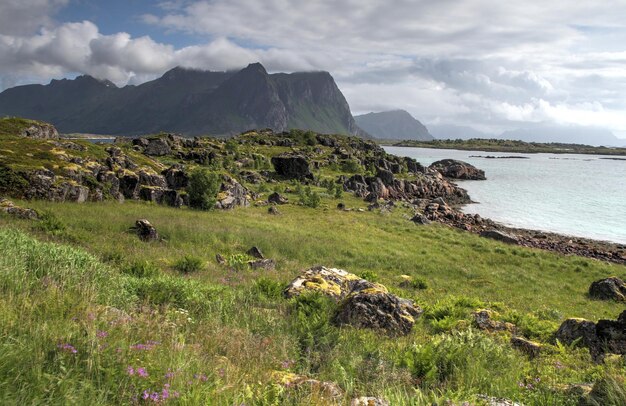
column 612, row 288
column 530, row 348
column 483, row 319
column 8, row 207
column 292, row 166
column 453, row 169
column 605, row 336
column 362, row 303
column 277, row 198
column 327, row 390
column 157, row 147
column 40, row 130
column 145, row 231
column 232, row 194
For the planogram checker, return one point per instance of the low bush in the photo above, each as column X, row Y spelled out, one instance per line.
column 189, row 264
column 141, row 269
column 203, row 188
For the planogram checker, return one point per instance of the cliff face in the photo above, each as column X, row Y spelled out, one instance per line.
column 395, row 125
column 191, row 102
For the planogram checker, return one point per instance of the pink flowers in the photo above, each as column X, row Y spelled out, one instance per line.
column 140, row 372
column 145, row 347
column 67, row 348
column 156, row 397
column 101, row 334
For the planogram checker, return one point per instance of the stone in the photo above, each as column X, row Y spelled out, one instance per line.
column 454, row 169
column 612, row 288
column 332, row 282
column 276, row 198
column 129, row 185
column 176, row 177
column 368, row 401
column 483, row 320
column 157, row 147
column 273, row 210
column 292, row 166
column 499, row 236
column 328, row 390
column 377, row 309
column 232, row 194
column 577, row 329
column 530, row 348
column 8, row 207
column 612, row 334
column 255, row 252
column 265, row 264
column 145, row 230
column 385, row 176
column 493, row 401
column 420, row 219
column 220, row 259
column 341, row 206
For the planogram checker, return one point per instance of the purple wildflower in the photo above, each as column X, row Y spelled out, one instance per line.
column 101, row 334
column 142, row 372
column 145, row 395
column 165, row 394
column 154, row 396
column 67, row 348
column 130, row 370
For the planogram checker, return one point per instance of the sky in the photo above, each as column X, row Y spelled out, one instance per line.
column 490, row 64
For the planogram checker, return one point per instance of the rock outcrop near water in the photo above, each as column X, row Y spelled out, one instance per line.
column 612, row 288
column 453, row 169
column 605, row 336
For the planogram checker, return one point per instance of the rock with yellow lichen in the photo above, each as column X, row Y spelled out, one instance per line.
column 327, row 390
column 362, row 303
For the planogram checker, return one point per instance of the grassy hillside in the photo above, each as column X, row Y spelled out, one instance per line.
column 221, row 332
column 90, row 314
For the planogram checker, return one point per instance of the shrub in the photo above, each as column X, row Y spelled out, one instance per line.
column 203, row 188
column 189, row 264
column 351, row 166
column 174, row 291
column 369, row 276
column 11, row 182
column 50, row 223
column 141, row 269
column 267, row 288
column 419, row 284
column 310, row 198
column 338, row 191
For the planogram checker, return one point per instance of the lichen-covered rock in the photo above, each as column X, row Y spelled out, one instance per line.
column 145, row 231
column 605, row 336
column 255, row 252
column 332, row 282
column 493, row 401
column 454, row 169
column 612, row 334
column 483, row 320
column 499, row 236
column 176, row 177
column 530, row 348
column 368, row 401
column 612, row 288
column 376, row 308
column 7, row 206
column 265, row 264
column 232, row 194
column 328, row 390
column 292, row 166
column 273, row 210
column 420, row 219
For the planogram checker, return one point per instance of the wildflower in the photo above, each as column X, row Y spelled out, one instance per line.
column 521, row 384
column 130, row 370
column 286, row 364
column 169, row 374
column 101, row 334
column 145, row 395
column 142, row 372
column 558, row 365
column 165, row 394
column 154, row 396
column 67, row 348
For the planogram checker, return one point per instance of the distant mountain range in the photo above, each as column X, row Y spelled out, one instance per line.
column 188, row 101
column 544, row 133
column 393, row 125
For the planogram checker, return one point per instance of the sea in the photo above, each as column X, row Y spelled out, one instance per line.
column 570, row 194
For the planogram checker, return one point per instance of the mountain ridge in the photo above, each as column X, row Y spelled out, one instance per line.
column 393, row 124
column 188, row 101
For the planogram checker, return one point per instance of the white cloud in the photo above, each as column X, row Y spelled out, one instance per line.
column 481, row 62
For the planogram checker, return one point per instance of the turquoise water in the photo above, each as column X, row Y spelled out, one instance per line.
column 578, row 195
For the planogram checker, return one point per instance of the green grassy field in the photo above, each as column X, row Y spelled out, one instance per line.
column 77, row 324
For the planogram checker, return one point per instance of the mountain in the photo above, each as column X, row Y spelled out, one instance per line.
column 395, row 125
column 456, row 132
column 565, row 134
column 188, row 101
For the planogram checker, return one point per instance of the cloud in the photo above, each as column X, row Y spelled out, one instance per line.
column 477, row 62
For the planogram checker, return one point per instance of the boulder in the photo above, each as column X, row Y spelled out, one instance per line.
column 176, row 177
column 265, row 264
column 362, row 303
column 292, row 166
column 612, row 288
column 499, row 236
column 420, row 219
column 530, row 348
column 145, row 231
column 276, row 198
column 368, row 401
column 157, row 147
column 7, row 206
column 232, row 194
column 577, row 329
column 255, row 252
column 375, row 308
column 273, row 210
column 327, row 390
column 483, row 320
column 612, row 334
column 454, row 169
column 385, row 176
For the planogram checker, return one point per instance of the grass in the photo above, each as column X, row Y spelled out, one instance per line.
column 219, row 332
